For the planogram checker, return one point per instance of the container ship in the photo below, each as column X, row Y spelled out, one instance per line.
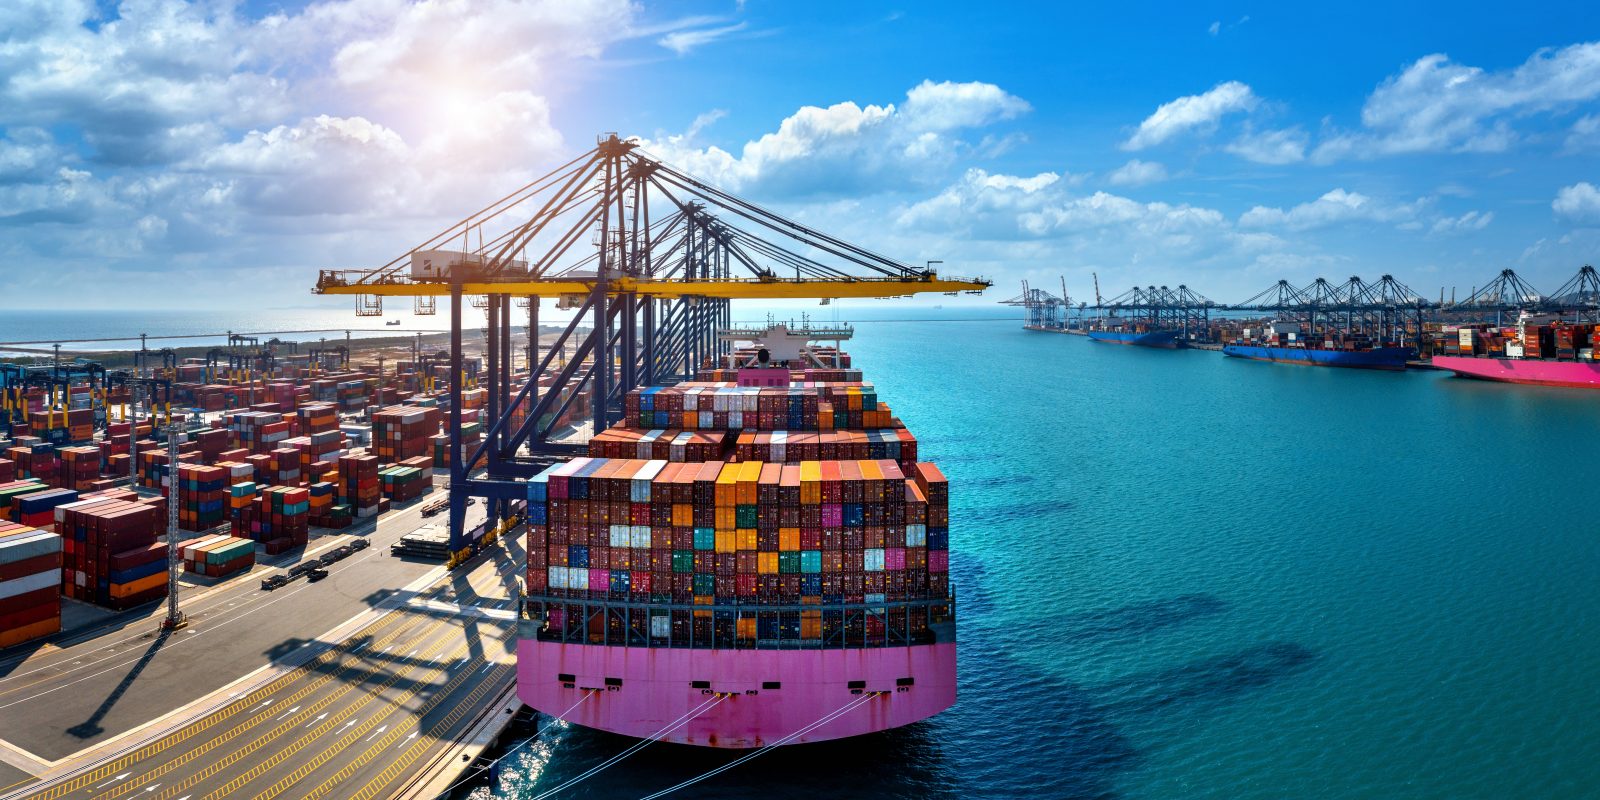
column 1286, row 343
column 1534, row 351
column 742, row 564
column 1137, row 335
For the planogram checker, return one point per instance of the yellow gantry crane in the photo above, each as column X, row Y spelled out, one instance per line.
column 648, row 257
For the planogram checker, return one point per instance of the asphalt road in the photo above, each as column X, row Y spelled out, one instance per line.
column 358, row 714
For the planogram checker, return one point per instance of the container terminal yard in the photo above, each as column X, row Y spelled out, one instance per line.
column 1506, row 331
column 268, row 569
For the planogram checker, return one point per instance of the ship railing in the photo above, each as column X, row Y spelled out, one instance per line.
column 778, row 626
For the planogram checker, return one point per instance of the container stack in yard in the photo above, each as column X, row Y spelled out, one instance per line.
column 112, row 556
column 402, row 483
column 35, row 460
column 218, row 556
column 402, row 432
column 279, row 517
column 38, row 509
column 80, row 467
column 30, row 583
column 203, row 497
column 359, row 486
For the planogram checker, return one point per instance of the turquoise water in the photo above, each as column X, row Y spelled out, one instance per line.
column 1185, row 576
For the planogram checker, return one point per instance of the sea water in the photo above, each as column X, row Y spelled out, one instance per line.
column 1183, row 575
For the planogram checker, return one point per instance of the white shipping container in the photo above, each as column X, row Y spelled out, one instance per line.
column 916, row 535
column 1464, row 337
column 621, row 536
column 660, row 626
column 1513, row 350
column 29, row 545
column 29, row 583
column 874, row 559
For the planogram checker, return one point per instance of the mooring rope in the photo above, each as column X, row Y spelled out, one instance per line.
column 847, row 708
column 672, row 726
column 507, row 754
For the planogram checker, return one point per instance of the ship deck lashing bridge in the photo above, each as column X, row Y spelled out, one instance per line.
column 650, row 259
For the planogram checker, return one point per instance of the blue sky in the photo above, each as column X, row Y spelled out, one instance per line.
column 220, row 153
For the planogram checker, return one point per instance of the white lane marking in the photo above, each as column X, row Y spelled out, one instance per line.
column 288, row 713
column 486, row 667
column 152, row 787
column 122, row 777
column 349, row 724
column 407, row 740
column 376, row 732
column 266, row 702
column 320, row 717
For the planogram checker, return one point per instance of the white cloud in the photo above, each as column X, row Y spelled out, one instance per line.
column 147, row 87
column 324, row 165
column 1578, row 203
column 1470, row 221
column 1216, row 27
column 849, row 148
column 1436, row 105
column 1199, row 112
column 681, row 42
column 170, row 138
column 1585, row 135
column 1137, row 173
column 997, row 206
column 28, row 154
column 948, row 106
column 1286, row 146
column 1335, row 207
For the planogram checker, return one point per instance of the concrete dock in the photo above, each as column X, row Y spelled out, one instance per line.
column 373, row 682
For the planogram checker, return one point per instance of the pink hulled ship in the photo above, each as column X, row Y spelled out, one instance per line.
column 743, row 564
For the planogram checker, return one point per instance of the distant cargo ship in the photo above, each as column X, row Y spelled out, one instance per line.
column 1156, row 338
column 1288, row 343
column 1389, row 358
column 1575, row 374
column 1519, row 353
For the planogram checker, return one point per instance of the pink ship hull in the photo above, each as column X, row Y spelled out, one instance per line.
column 1577, row 374
column 656, row 689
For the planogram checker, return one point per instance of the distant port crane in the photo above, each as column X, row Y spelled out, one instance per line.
column 1043, row 309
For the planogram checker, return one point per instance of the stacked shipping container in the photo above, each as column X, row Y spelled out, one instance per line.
column 722, row 534
column 30, row 583
column 111, row 554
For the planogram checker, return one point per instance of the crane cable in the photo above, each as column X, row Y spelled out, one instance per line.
column 640, row 745
column 524, row 743
column 847, row 708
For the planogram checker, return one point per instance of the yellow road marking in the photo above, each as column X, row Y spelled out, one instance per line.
column 411, row 753
column 250, row 700
column 338, row 747
column 299, row 716
column 209, row 720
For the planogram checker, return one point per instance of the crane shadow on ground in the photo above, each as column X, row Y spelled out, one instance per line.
column 90, row 728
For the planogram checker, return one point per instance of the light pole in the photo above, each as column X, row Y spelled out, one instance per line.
column 175, row 618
